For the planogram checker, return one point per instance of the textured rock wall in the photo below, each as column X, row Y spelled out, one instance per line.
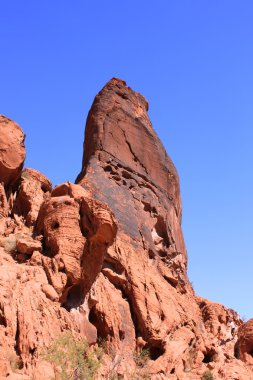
column 106, row 259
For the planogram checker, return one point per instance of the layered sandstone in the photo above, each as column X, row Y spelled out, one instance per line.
column 106, row 259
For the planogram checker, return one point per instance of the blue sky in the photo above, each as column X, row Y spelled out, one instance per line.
column 193, row 60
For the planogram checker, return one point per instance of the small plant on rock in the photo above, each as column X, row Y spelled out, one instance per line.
column 15, row 362
column 72, row 359
column 142, row 357
column 207, row 375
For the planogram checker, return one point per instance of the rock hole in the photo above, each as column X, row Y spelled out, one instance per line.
column 3, row 321
column 151, row 254
column 55, row 225
column 45, row 250
column 74, row 297
column 209, row 356
column 149, row 208
column 126, row 175
column 156, row 350
column 85, row 231
column 171, row 281
column 32, row 351
column 162, row 253
column 236, row 351
column 251, row 353
column 44, row 188
column 97, row 319
column 108, row 168
column 161, row 231
column 121, row 335
column 172, row 371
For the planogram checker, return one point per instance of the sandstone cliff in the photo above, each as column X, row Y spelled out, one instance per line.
column 106, row 259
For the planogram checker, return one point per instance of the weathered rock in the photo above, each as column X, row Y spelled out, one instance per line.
column 4, row 208
column 12, row 151
column 67, row 262
column 28, row 320
column 112, row 317
column 244, row 344
column 36, row 259
column 59, row 222
column 33, row 190
column 77, row 230
column 126, row 166
column 28, row 246
column 50, row 292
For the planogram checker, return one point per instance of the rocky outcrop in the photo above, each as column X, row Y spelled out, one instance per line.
column 33, row 190
column 126, row 166
column 244, row 344
column 77, row 231
column 12, row 151
column 106, row 259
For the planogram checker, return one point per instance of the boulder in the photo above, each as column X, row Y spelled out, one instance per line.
column 28, row 246
column 12, row 151
column 33, row 190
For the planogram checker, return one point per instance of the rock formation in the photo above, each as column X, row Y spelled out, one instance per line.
column 11, row 161
column 106, row 259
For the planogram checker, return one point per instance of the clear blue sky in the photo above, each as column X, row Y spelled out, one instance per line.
column 193, row 60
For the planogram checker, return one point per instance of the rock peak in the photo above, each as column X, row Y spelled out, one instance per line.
column 116, row 81
column 118, row 126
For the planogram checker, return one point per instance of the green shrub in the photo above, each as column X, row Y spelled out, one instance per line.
column 72, row 359
column 141, row 358
column 207, row 375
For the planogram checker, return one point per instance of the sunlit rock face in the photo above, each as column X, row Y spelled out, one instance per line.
column 12, row 151
column 106, row 259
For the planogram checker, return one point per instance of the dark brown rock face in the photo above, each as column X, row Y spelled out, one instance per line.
column 126, row 166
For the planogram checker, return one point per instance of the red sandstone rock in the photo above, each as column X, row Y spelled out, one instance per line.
column 4, row 208
column 50, row 292
column 244, row 345
column 126, row 166
column 105, row 258
column 28, row 246
column 78, row 231
column 32, row 192
column 12, row 151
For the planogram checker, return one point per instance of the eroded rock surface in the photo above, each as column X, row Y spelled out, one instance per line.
column 12, row 151
column 33, row 190
column 106, row 259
